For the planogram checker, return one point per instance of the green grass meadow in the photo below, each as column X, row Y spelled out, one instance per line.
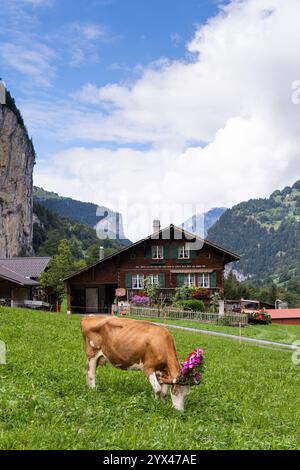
column 250, row 398
column 279, row 333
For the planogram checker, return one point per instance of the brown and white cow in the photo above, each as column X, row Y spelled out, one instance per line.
column 133, row 345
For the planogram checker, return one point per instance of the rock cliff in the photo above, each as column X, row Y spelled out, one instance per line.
column 17, row 158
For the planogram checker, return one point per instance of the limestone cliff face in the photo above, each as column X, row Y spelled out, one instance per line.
column 16, row 187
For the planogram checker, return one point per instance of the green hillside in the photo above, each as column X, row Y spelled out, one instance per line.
column 266, row 233
column 49, row 229
column 86, row 213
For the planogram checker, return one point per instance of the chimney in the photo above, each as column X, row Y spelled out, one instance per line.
column 156, row 225
column 101, row 253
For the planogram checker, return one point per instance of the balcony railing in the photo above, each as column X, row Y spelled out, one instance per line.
column 168, row 294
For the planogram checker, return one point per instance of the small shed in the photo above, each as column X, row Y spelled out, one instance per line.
column 287, row 316
column 19, row 279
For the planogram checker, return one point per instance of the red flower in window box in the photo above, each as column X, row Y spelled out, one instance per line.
column 199, row 293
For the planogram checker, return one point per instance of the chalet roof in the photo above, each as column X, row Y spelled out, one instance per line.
column 23, row 271
column 284, row 313
column 158, row 236
column 26, row 266
column 16, row 278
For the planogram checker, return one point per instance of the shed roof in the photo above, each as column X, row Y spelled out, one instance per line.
column 26, row 266
column 16, row 278
column 23, row 271
column 284, row 313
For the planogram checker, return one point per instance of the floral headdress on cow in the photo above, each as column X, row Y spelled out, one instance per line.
column 192, row 369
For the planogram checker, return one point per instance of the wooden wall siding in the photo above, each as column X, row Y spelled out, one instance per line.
column 137, row 260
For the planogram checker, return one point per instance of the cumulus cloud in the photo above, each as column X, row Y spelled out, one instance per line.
column 218, row 127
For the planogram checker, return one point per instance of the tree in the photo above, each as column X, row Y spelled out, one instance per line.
column 61, row 265
column 214, row 302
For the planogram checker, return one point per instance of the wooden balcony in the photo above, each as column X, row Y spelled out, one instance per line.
column 167, row 294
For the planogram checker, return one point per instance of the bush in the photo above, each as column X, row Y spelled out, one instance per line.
column 192, row 305
column 184, row 293
column 261, row 317
column 224, row 321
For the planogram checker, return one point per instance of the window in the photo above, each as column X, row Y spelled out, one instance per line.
column 157, row 252
column 138, row 281
column 189, row 280
column 152, row 279
column 183, row 252
column 203, row 280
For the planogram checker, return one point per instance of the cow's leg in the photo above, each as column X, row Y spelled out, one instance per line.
column 97, row 359
column 164, row 391
column 91, row 371
column 164, row 387
column 151, row 375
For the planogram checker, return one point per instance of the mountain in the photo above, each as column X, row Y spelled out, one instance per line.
column 85, row 213
column 201, row 223
column 17, row 159
column 50, row 228
column 266, row 233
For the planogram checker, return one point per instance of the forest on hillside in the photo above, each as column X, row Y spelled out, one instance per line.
column 266, row 234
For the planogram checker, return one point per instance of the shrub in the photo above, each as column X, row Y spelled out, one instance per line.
column 192, row 305
column 152, row 291
column 184, row 293
column 199, row 293
column 261, row 317
column 224, row 321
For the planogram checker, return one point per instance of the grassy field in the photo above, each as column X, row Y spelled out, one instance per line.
column 274, row 332
column 250, row 398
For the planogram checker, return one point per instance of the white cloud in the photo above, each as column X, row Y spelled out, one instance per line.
column 233, row 93
column 37, row 2
column 30, row 59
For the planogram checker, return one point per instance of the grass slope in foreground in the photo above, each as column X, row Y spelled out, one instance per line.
column 249, row 400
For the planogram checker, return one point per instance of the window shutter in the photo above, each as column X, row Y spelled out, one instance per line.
column 161, row 280
column 148, row 251
column 128, row 281
column 166, row 251
column 179, row 280
column 193, row 254
column 213, row 280
column 174, row 254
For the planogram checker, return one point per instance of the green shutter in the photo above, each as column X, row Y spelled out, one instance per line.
column 148, row 251
column 179, row 280
column 161, row 280
column 174, row 252
column 128, row 281
column 213, row 280
column 166, row 251
column 193, row 254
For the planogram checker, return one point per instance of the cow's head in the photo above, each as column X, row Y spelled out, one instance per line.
column 178, row 394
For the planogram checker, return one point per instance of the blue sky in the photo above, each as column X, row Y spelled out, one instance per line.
column 98, row 41
column 157, row 107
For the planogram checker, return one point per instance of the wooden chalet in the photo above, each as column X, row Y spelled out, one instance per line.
column 171, row 257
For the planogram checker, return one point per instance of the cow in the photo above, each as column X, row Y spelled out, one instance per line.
column 134, row 345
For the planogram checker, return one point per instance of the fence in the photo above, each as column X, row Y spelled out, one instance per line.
column 166, row 313
column 34, row 304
